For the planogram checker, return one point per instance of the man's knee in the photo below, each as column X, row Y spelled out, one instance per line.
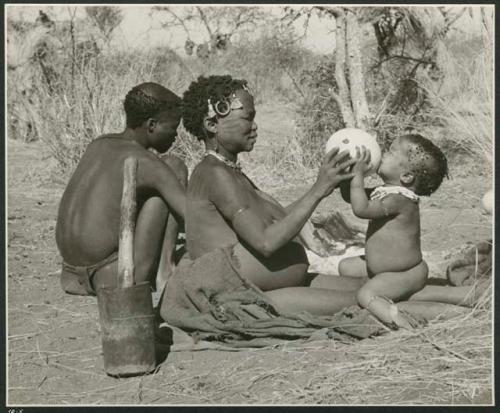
column 178, row 166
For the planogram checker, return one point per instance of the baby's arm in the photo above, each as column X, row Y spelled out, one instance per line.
column 345, row 191
column 364, row 208
column 361, row 205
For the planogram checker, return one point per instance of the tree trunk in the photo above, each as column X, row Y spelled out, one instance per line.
column 343, row 96
column 355, row 68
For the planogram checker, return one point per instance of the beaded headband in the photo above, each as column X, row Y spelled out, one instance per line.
column 225, row 105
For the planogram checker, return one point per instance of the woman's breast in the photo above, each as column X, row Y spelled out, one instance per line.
column 287, row 267
column 206, row 229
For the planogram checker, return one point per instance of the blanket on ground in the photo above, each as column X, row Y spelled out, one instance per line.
column 209, row 299
column 471, row 264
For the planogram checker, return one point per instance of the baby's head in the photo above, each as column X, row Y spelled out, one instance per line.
column 414, row 162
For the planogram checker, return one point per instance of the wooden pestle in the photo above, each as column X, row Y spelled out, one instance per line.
column 127, row 224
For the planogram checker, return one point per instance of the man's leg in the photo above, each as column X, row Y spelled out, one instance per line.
column 148, row 240
column 167, row 262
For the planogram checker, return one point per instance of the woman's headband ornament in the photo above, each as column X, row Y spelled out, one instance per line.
column 225, row 105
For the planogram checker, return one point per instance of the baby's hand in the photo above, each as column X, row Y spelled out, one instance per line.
column 362, row 164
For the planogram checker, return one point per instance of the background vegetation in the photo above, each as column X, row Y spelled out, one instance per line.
column 66, row 85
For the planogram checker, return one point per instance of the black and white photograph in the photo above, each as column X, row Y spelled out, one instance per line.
column 249, row 205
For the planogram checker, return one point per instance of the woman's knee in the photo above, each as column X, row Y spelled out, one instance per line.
column 352, row 267
column 343, row 267
column 178, row 166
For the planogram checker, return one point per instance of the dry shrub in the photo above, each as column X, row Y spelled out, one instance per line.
column 318, row 114
column 90, row 103
column 464, row 105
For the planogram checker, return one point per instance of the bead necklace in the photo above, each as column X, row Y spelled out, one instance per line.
column 223, row 159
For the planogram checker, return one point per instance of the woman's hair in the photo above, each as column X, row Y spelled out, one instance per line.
column 147, row 100
column 195, row 100
column 427, row 163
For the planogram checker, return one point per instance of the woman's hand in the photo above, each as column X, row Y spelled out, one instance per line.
column 333, row 171
column 362, row 159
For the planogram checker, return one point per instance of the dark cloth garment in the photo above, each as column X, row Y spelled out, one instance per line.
column 209, row 299
column 78, row 279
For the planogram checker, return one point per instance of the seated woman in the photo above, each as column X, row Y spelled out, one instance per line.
column 225, row 210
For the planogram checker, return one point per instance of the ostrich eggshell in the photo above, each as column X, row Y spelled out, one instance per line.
column 349, row 138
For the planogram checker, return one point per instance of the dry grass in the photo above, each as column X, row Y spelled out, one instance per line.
column 463, row 103
column 447, row 362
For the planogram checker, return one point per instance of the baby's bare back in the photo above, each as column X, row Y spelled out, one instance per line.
column 393, row 243
column 89, row 213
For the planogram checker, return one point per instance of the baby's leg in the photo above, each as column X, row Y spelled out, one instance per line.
column 376, row 294
column 353, row 267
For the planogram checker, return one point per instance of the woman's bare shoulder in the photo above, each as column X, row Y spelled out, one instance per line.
column 213, row 171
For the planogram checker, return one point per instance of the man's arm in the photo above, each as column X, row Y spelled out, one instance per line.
column 154, row 174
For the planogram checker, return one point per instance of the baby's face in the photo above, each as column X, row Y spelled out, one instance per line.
column 394, row 162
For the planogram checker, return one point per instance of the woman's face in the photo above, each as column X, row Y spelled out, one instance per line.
column 237, row 131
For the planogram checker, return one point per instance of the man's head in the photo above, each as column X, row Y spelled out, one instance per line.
column 157, row 111
column 415, row 162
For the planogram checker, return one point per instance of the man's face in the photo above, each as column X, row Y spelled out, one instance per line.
column 237, row 131
column 165, row 130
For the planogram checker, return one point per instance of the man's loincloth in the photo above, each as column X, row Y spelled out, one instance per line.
column 78, row 279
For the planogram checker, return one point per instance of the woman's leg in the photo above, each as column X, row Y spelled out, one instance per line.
column 333, row 282
column 353, row 267
column 315, row 301
column 465, row 296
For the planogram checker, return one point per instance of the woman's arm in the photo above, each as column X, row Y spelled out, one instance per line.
column 231, row 199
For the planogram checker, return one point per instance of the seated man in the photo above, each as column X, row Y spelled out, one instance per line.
column 88, row 221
